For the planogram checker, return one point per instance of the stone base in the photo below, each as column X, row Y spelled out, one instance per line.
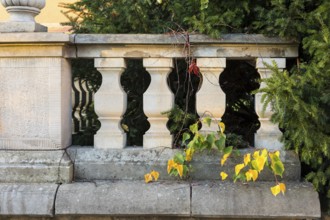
column 159, row 200
column 27, row 199
column 124, row 198
column 155, row 140
column 115, row 140
column 35, row 167
column 269, row 141
column 133, row 163
column 15, row 26
column 254, row 200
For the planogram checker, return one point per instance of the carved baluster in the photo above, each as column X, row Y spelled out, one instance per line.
column 268, row 134
column 89, row 102
column 210, row 97
column 76, row 106
column 158, row 98
column 110, row 104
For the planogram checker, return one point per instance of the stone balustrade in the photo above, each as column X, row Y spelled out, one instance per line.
column 38, row 163
column 36, row 83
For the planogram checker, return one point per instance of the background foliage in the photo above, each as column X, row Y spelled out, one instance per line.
column 300, row 96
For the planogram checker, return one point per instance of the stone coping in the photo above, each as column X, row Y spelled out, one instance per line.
column 178, row 39
column 196, row 199
column 140, row 39
column 136, row 46
column 17, row 38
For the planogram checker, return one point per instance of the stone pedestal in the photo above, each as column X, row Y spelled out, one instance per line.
column 35, row 99
column 157, row 99
column 210, row 98
column 110, row 104
column 268, row 136
column 22, row 13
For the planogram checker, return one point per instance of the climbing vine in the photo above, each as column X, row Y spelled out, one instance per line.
column 197, row 141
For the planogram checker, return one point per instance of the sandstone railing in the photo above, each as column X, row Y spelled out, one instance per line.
column 36, row 83
column 41, row 174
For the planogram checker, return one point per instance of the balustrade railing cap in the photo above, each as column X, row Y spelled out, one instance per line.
column 41, row 37
column 157, row 45
column 162, row 39
column 141, row 39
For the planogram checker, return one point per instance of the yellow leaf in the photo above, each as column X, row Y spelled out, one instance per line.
column 248, row 176
column 238, row 168
column 170, row 165
column 155, row 175
column 222, row 126
column 179, row 168
column 189, row 154
column 224, row 158
column 282, row 187
column 223, row 175
column 247, row 159
column 275, row 190
column 261, row 163
column 276, row 153
column 251, row 174
column 254, row 175
column 147, row 178
column 256, row 154
column 125, row 127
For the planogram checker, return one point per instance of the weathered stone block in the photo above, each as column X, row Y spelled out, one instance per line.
column 27, row 199
column 124, row 198
column 35, row 105
column 254, row 200
column 20, row 26
column 35, row 167
column 133, row 163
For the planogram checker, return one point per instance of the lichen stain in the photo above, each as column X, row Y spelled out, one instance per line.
column 136, row 54
column 277, row 52
column 221, row 50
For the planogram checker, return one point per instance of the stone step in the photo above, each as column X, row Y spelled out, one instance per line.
column 133, row 199
column 133, row 163
column 23, row 166
column 88, row 163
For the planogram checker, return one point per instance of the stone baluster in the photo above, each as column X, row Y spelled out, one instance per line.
column 110, row 103
column 268, row 136
column 82, row 99
column 158, row 98
column 76, row 105
column 22, row 13
column 210, row 96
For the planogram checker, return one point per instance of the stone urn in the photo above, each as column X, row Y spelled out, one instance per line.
column 22, row 13
column 23, row 10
